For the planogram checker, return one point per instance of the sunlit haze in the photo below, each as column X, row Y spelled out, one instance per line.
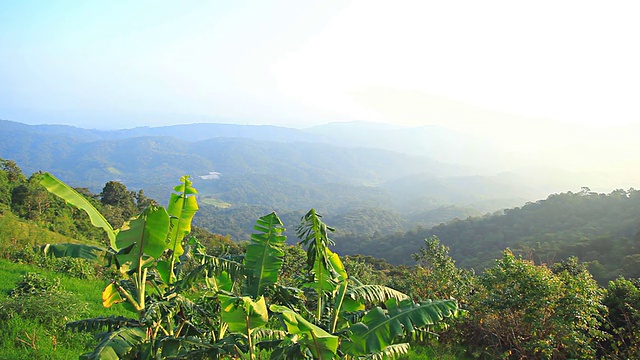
column 554, row 82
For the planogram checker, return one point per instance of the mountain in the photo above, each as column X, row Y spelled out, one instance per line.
column 246, row 168
column 333, row 168
column 600, row 229
column 446, row 145
column 188, row 132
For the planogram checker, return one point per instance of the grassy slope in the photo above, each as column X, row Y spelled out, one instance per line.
column 27, row 338
column 16, row 234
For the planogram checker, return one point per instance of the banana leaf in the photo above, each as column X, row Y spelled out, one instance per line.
column 182, row 207
column 81, row 251
column 242, row 314
column 264, row 257
column 379, row 328
column 117, row 344
column 69, row 195
column 149, row 234
column 321, row 344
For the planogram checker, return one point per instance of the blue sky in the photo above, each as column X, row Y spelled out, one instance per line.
column 461, row 64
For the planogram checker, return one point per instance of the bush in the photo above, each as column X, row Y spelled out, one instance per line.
column 36, row 285
column 623, row 301
column 73, row 267
column 521, row 310
column 41, row 298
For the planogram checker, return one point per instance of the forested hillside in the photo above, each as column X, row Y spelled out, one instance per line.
column 580, row 320
column 602, row 230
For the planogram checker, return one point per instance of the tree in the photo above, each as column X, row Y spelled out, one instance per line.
column 119, row 203
column 438, row 276
column 623, row 321
column 13, row 172
column 521, row 310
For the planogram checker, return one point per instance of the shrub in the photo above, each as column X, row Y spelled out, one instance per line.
column 623, row 322
column 74, row 267
column 41, row 298
column 521, row 310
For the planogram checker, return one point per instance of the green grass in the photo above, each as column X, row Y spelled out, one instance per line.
column 417, row 352
column 16, row 234
column 89, row 291
column 28, row 338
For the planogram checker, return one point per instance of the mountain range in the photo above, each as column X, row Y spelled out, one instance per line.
column 336, row 168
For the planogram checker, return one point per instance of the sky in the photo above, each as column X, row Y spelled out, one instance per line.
column 484, row 66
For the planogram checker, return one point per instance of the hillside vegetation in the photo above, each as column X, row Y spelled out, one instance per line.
column 602, row 230
column 189, row 299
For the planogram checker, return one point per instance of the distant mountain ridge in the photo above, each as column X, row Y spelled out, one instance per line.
column 431, row 141
column 149, row 158
column 186, row 132
column 330, row 168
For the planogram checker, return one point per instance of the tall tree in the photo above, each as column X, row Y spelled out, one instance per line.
column 119, row 203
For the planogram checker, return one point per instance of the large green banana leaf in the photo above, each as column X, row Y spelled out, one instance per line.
column 264, row 257
column 81, row 251
column 321, row 344
column 68, row 194
column 328, row 273
column 315, row 235
column 379, row 328
column 117, row 344
column 182, row 207
column 242, row 314
column 147, row 233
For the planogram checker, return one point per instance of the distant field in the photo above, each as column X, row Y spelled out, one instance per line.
column 210, row 200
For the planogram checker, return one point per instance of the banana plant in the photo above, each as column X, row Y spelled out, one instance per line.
column 349, row 319
column 322, row 344
column 377, row 330
column 182, row 208
column 264, row 257
column 139, row 245
column 322, row 274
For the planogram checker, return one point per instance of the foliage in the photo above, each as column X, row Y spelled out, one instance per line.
column 264, row 257
column 437, row 275
column 41, row 298
column 77, row 267
column 168, row 324
column 600, row 229
column 39, row 332
column 521, row 310
column 623, row 321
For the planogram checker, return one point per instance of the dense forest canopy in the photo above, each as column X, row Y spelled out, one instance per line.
column 602, row 230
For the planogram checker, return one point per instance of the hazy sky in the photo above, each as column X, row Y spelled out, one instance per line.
column 106, row 64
